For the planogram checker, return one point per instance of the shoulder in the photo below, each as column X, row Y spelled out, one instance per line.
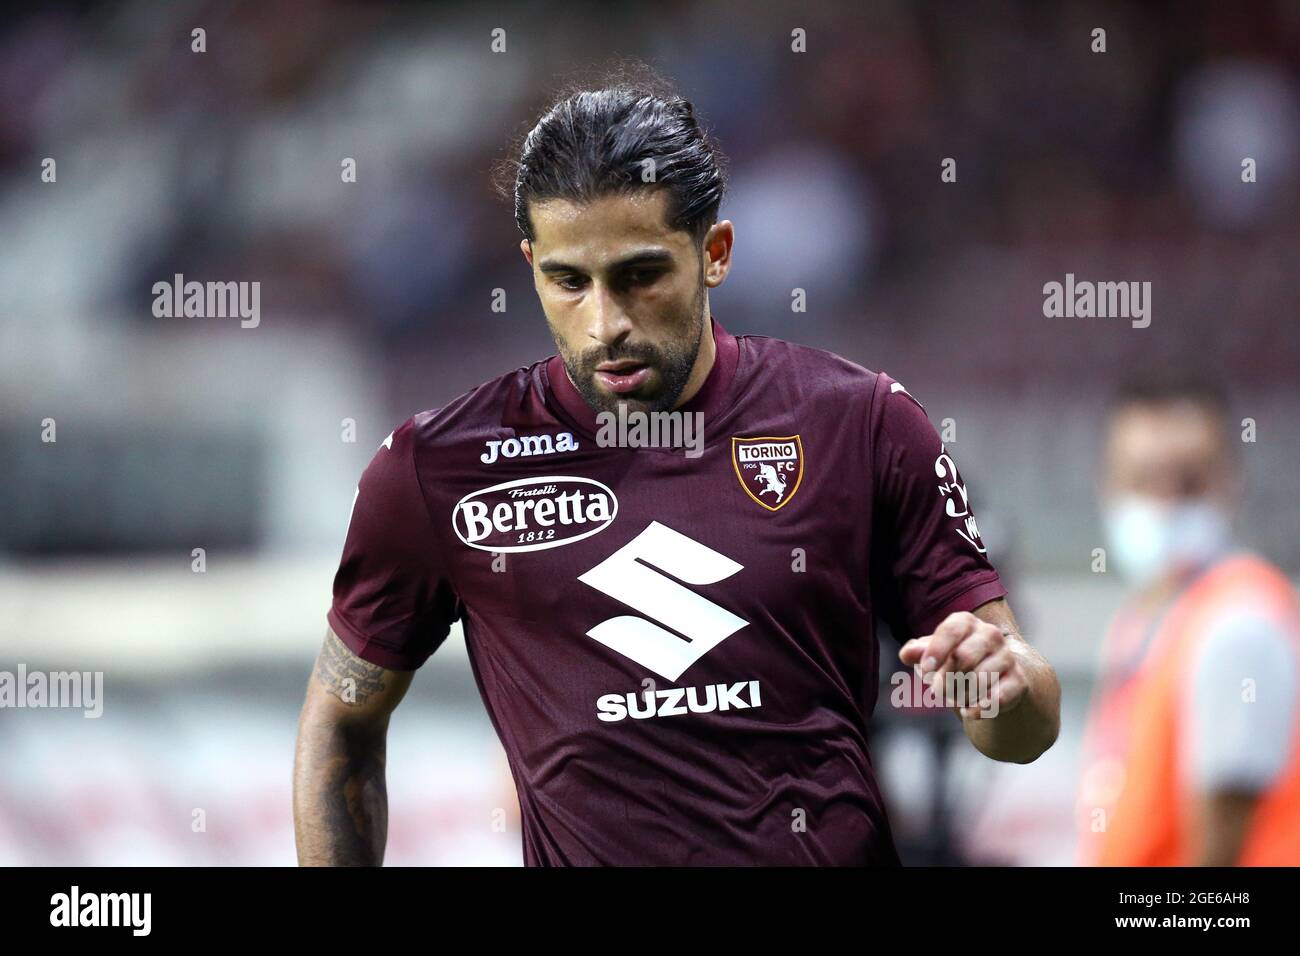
column 820, row 373
column 1243, row 640
column 816, row 371
column 1248, row 621
column 1245, row 580
column 1248, row 637
column 858, row 397
column 804, row 375
column 431, row 441
column 480, row 411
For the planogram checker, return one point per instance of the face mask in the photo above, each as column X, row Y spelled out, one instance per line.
column 1149, row 538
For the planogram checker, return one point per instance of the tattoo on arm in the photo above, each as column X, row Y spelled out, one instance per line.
column 340, row 796
column 346, row 676
column 355, row 809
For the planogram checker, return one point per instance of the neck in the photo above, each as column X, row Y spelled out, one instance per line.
column 1156, row 592
column 703, row 364
column 1171, row 581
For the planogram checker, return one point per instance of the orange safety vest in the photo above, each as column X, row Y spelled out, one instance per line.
column 1133, row 775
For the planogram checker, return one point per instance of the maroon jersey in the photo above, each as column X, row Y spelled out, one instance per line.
column 677, row 649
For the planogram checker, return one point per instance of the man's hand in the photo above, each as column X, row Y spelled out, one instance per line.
column 964, row 645
column 1017, row 713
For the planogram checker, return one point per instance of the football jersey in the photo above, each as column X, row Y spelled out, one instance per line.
column 675, row 645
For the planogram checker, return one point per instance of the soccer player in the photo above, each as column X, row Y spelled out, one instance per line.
column 676, row 645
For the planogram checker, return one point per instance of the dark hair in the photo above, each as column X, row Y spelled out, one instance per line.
column 1163, row 389
column 593, row 141
column 1173, row 387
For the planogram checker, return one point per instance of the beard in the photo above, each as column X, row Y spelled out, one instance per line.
column 673, row 362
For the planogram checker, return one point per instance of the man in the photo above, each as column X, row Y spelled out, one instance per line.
column 1193, row 750
column 675, row 645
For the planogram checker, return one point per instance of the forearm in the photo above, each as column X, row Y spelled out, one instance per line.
column 1024, row 732
column 1223, row 817
column 340, row 798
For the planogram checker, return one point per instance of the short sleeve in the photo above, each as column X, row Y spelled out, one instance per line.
column 393, row 604
column 1235, row 740
column 928, row 560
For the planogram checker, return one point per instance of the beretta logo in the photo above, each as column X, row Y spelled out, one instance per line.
column 533, row 514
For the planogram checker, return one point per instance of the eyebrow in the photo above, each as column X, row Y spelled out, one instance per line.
column 641, row 258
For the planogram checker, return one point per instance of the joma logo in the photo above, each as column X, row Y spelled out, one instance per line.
column 528, row 446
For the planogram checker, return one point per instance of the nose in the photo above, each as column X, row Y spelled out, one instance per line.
column 607, row 321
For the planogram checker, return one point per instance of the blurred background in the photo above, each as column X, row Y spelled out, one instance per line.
column 175, row 434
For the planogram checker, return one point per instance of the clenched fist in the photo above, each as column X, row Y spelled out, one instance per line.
column 964, row 645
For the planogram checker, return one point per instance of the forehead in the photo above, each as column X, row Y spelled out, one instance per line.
column 1178, row 431
column 604, row 229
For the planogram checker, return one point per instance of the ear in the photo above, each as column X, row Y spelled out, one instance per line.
column 717, row 252
column 527, row 249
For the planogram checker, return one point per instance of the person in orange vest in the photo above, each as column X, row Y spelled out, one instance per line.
column 1192, row 750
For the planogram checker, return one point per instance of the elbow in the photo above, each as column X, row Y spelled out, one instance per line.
column 1037, row 748
column 1045, row 727
column 1045, row 732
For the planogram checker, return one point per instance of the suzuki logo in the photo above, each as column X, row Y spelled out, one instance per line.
column 699, row 624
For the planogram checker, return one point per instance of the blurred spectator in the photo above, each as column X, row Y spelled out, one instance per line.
column 1193, row 751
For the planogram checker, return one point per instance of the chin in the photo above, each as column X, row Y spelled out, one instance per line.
column 610, row 402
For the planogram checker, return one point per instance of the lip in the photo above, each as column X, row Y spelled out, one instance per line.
column 626, row 377
column 621, row 366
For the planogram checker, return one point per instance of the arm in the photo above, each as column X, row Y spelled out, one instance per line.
column 1236, row 746
column 1018, row 715
column 340, row 799
column 929, row 544
column 1223, row 817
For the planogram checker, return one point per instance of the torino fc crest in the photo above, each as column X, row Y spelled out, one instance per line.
column 769, row 469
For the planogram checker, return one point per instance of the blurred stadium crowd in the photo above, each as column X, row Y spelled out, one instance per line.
column 377, row 298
